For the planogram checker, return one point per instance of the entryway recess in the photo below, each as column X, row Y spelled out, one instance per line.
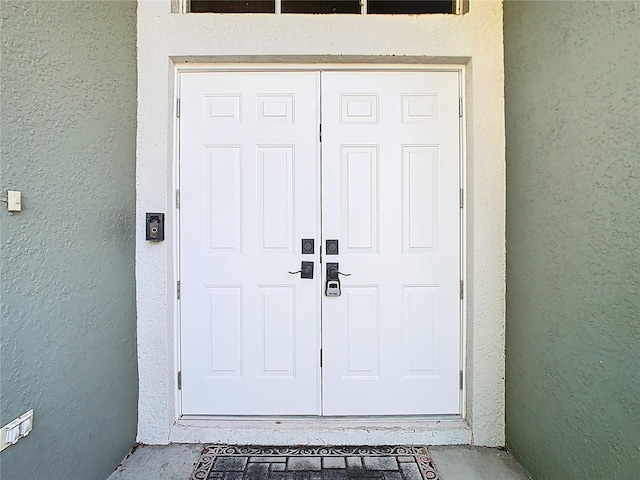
column 352, row 172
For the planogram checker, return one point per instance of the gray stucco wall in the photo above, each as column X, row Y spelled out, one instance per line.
column 68, row 99
column 573, row 237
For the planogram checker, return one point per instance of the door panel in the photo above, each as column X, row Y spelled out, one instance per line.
column 390, row 169
column 249, row 163
column 359, row 198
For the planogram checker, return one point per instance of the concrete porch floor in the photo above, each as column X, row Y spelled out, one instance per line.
column 177, row 461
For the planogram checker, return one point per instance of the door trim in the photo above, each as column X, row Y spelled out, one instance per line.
column 188, row 422
column 436, row 430
column 166, row 40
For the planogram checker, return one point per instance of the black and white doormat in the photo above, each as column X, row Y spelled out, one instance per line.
column 228, row 462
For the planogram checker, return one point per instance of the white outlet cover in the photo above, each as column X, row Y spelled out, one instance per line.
column 14, row 201
column 16, row 429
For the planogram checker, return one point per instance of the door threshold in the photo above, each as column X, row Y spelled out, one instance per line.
column 440, row 430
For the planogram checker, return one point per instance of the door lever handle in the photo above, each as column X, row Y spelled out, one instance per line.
column 334, row 271
column 306, row 270
column 333, row 288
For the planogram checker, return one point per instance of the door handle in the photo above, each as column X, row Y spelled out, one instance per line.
column 306, row 270
column 333, row 287
column 333, row 270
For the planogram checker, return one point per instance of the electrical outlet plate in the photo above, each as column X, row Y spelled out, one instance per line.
column 16, row 429
column 14, row 201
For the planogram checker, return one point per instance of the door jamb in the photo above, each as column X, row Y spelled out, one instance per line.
column 183, row 67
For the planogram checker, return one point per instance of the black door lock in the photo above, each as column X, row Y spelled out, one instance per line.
column 333, row 287
column 308, row 246
column 332, row 247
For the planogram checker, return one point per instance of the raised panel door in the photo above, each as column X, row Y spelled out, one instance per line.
column 249, row 183
column 390, row 189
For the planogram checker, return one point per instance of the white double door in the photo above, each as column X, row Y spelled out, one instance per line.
column 382, row 178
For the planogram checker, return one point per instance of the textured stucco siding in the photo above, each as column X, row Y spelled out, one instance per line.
column 68, row 94
column 573, row 237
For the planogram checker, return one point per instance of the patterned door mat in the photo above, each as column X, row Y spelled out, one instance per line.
column 228, row 462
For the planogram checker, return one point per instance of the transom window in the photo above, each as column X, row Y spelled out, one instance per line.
column 328, row 6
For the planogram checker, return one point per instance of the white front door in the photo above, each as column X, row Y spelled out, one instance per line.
column 390, row 196
column 251, row 333
column 249, row 189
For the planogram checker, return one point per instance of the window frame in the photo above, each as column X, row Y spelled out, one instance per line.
column 460, row 7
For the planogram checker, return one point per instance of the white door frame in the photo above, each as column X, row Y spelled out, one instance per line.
column 392, row 429
column 168, row 40
column 457, row 428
